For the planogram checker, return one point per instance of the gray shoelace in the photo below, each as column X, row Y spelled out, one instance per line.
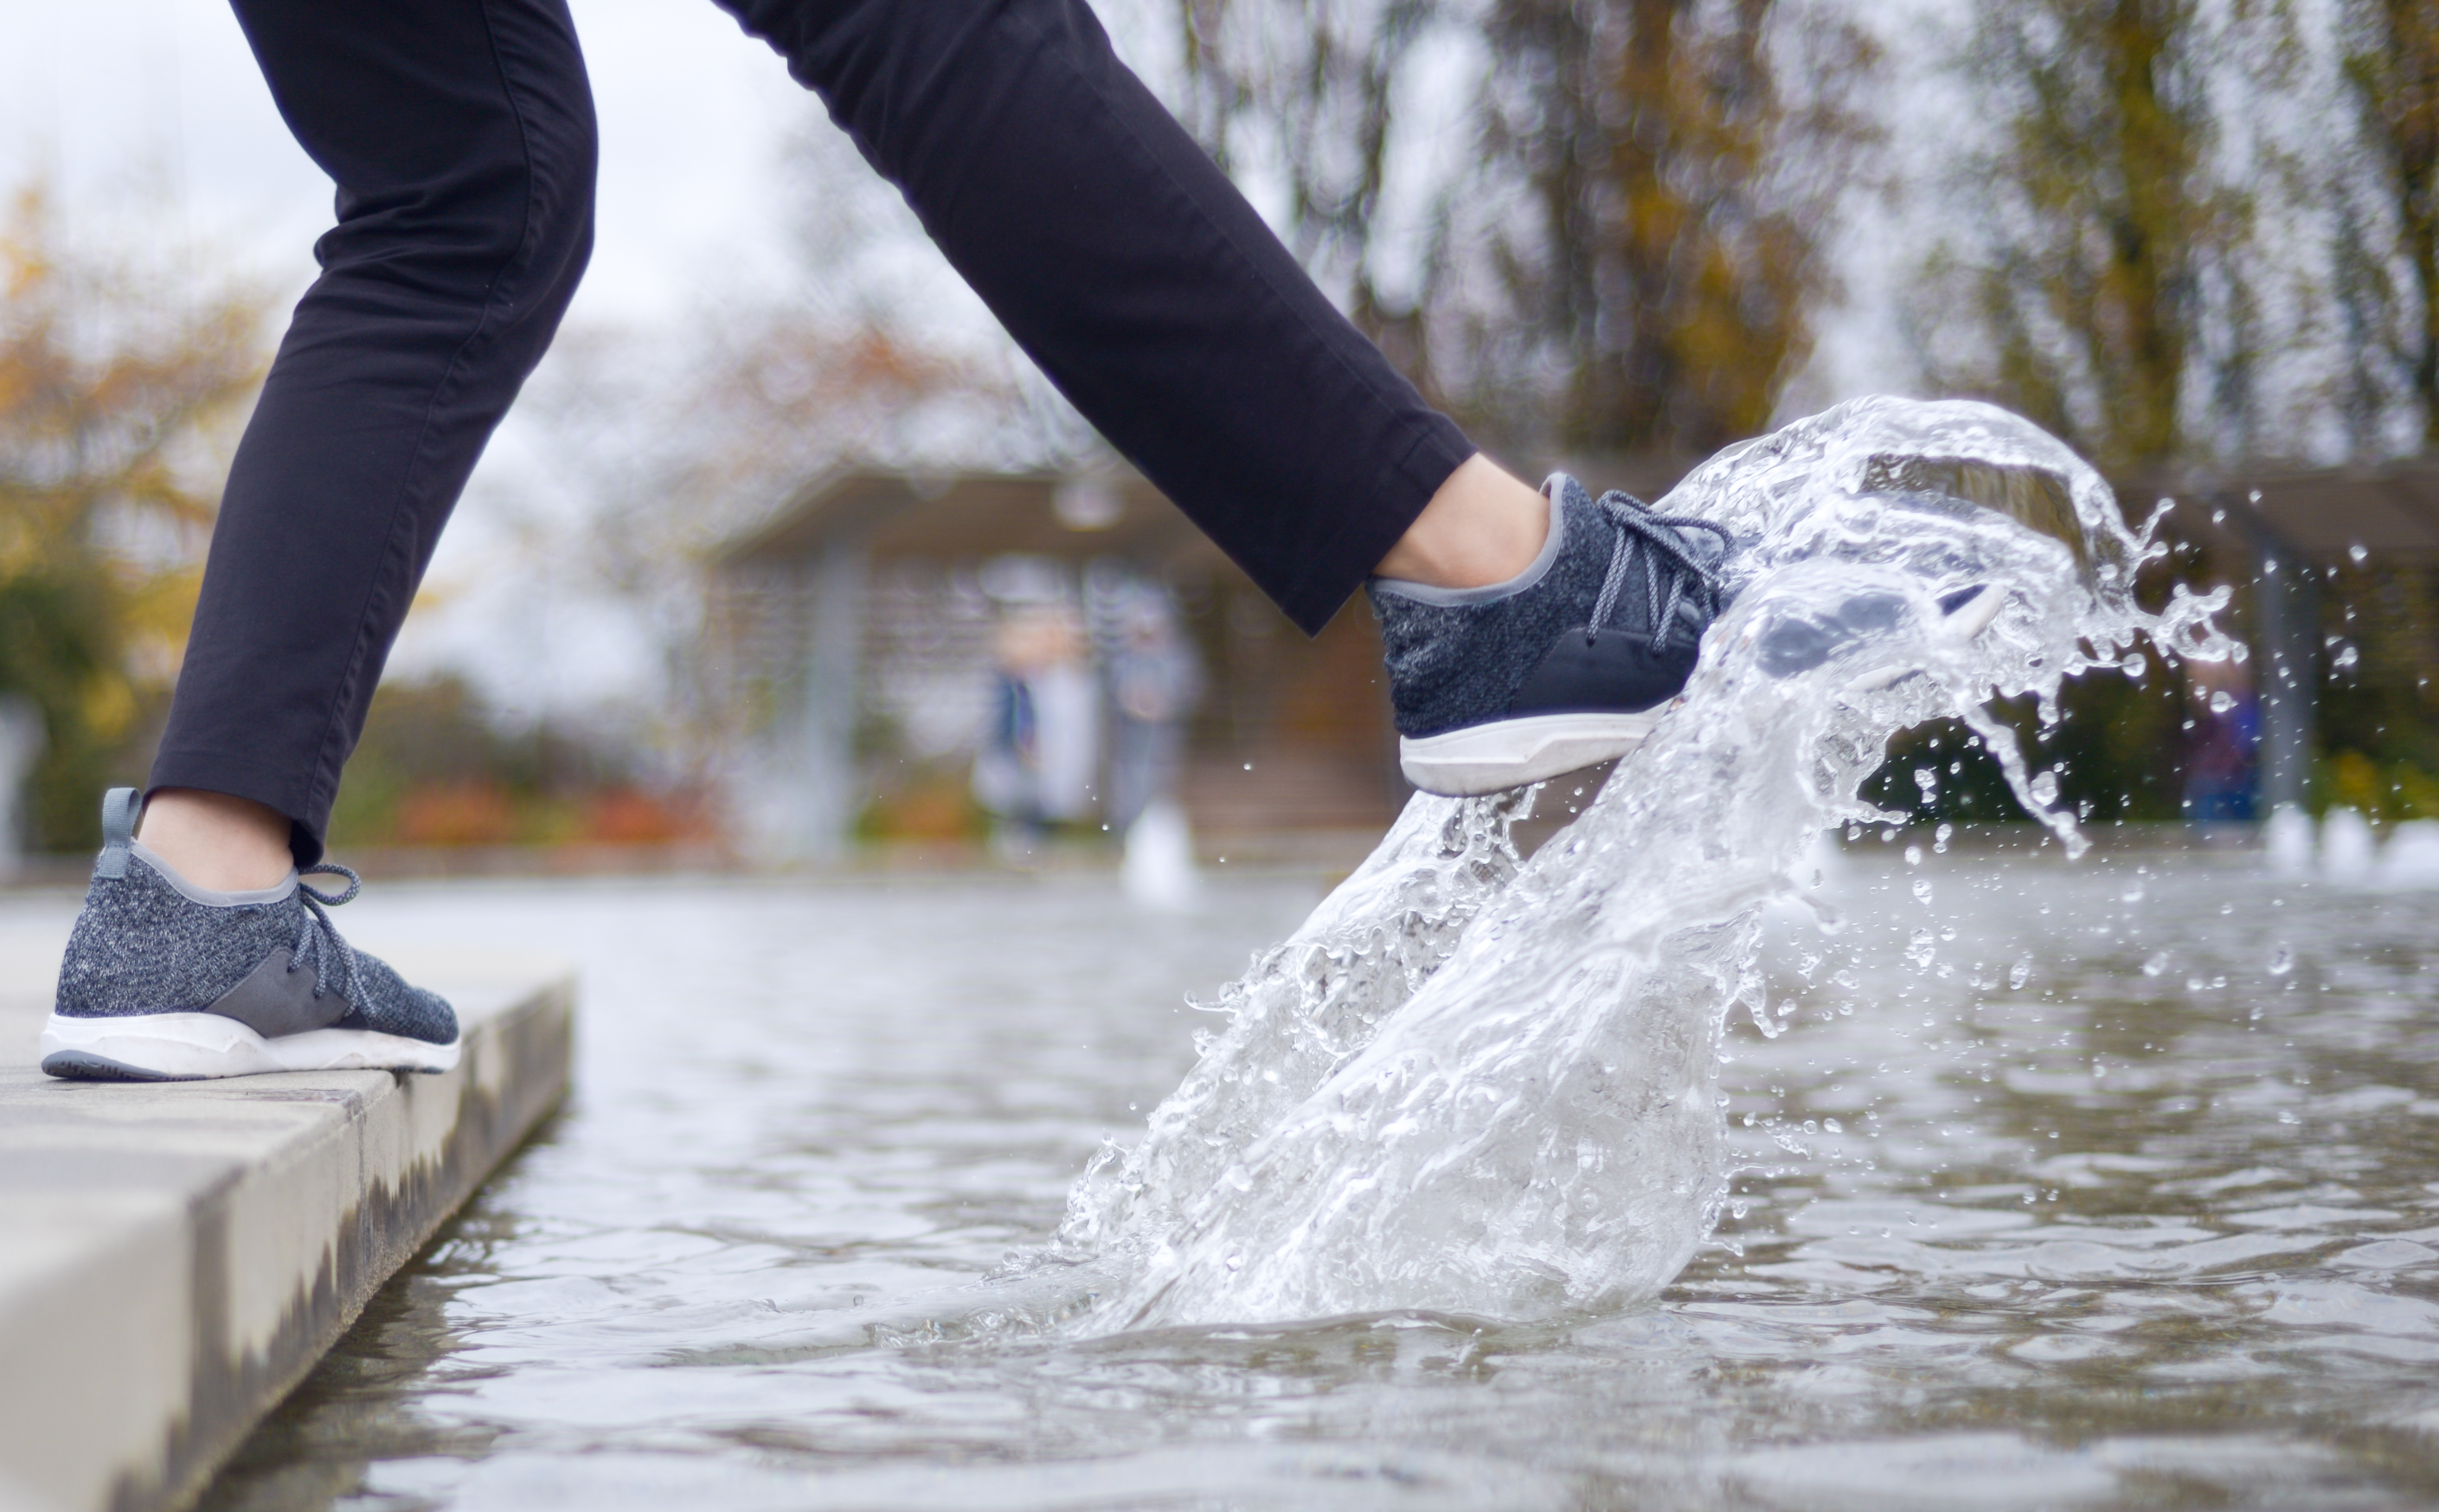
column 320, row 939
column 1663, row 557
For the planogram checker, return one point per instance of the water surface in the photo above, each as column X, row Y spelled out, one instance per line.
column 2126, row 1194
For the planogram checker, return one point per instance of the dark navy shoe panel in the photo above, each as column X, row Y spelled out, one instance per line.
column 1799, row 643
column 279, row 998
column 1616, row 671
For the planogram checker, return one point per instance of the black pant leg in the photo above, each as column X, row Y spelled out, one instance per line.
column 460, row 136
column 1129, row 267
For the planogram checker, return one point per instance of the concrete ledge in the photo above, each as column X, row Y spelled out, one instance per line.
column 175, row 1257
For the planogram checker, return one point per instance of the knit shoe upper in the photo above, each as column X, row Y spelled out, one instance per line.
column 154, row 961
column 1606, row 620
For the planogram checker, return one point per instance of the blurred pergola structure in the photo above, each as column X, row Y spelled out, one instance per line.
column 1297, row 733
column 2279, row 533
column 1293, row 734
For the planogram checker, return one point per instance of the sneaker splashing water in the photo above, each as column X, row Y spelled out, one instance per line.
column 164, row 981
column 1479, row 1085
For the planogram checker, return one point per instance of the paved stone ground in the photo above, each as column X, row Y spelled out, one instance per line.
column 174, row 1257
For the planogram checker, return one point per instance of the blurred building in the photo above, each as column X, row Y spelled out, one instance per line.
column 855, row 634
column 2323, row 559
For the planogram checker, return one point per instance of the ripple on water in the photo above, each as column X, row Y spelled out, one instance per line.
column 2003, row 1219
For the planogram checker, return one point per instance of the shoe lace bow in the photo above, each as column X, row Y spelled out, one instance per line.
column 1664, row 557
column 330, row 953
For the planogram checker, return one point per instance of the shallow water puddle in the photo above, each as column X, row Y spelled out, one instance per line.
column 2030, row 1186
column 2102, row 1239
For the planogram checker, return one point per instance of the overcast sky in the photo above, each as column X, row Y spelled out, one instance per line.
column 693, row 116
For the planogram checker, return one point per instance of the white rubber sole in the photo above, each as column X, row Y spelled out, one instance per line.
column 1511, row 753
column 186, row 1046
column 1494, row 758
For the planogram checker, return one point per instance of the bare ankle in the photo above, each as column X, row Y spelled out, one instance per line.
column 215, row 841
column 1483, row 527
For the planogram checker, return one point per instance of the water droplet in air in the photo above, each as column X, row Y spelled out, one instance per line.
column 2156, row 963
column 2019, row 973
column 1914, row 854
column 2356, row 555
column 2222, row 701
column 1833, row 1126
column 2045, row 788
column 2282, row 960
column 2347, row 656
column 1922, row 889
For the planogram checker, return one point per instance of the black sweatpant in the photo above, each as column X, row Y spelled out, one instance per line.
column 460, row 136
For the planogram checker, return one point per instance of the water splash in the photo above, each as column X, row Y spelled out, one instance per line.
column 1476, row 1087
column 1303, row 1008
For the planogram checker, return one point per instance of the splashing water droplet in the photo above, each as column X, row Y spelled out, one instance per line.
column 2282, row 960
column 2019, row 973
column 2347, row 658
column 2357, row 554
column 2155, row 962
column 1914, row 854
column 1589, row 988
column 1922, row 889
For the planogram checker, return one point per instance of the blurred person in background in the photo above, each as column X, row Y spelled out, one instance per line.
column 1038, row 756
column 1154, row 679
column 1527, row 633
column 2222, row 743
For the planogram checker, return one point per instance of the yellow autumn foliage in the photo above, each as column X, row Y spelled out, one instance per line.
column 122, row 374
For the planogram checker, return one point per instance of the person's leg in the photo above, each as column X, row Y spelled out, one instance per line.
column 460, row 136
column 1125, row 264
column 1129, row 268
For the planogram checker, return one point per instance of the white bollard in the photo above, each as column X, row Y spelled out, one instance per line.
column 2411, row 858
column 22, row 740
column 1158, row 872
column 2287, row 842
column 2347, row 849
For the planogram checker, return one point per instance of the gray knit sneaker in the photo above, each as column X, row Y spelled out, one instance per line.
column 164, row 981
column 1573, row 660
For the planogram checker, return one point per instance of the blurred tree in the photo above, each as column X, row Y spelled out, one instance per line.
column 1628, row 253
column 2390, row 66
column 2103, row 228
column 114, row 375
column 1683, row 190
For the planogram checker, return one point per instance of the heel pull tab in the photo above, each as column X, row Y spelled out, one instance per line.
column 120, row 807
